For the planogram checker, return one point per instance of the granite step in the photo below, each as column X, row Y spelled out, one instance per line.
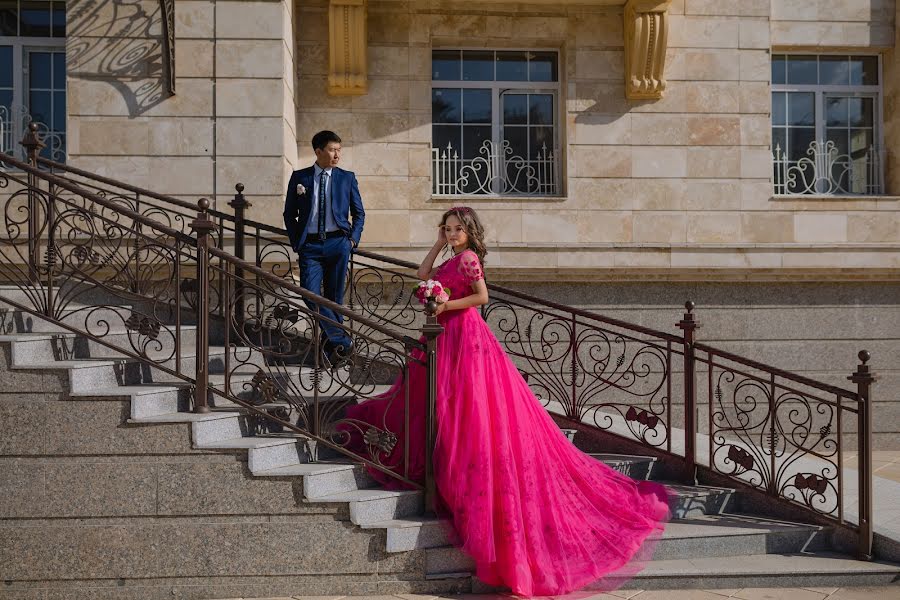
column 377, row 505
column 808, row 569
column 634, row 466
column 710, row 536
column 90, row 374
column 79, row 317
column 52, row 346
column 793, row 570
column 689, row 501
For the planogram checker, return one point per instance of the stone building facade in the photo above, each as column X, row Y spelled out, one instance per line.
column 686, row 184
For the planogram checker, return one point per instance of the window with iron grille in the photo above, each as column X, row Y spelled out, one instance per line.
column 495, row 122
column 826, row 124
column 33, row 74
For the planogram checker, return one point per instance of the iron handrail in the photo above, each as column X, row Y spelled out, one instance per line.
column 75, row 189
column 540, row 301
column 155, row 195
column 825, row 387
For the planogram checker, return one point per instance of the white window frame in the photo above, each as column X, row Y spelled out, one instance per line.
column 497, row 89
column 822, row 92
column 20, row 116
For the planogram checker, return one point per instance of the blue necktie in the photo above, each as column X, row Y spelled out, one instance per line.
column 322, row 206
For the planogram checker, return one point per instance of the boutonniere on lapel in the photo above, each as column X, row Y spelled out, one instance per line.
column 301, row 189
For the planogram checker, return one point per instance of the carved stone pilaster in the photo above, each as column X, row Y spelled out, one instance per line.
column 347, row 48
column 646, row 34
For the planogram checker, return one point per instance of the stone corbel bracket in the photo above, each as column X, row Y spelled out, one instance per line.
column 347, row 48
column 646, row 39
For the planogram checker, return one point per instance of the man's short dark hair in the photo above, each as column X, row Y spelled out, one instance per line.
column 322, row 139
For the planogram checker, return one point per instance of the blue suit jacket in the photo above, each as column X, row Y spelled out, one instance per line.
column 345, row 203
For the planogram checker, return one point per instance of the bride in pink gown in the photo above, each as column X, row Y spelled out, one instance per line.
column 535, row 513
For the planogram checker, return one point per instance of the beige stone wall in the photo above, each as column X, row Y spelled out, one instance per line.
column 833, row 23
column 232, row 116
column 678, row 187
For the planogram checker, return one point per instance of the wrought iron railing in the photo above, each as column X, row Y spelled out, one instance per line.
column 825, row 171
column 787, row 434
column 124, row 280
column 13, row 126
column 764, row 428
column 495, row 171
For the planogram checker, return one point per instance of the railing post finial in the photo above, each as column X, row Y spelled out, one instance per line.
column 202, row 226
column 689, row 326
column 240, row 206
column 32, row 143
column 863, row 377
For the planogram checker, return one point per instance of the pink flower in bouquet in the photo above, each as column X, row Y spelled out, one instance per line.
column 432, row 290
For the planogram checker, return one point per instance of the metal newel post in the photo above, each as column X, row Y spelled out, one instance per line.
column 33, row 146
column 689, row 326
column 431, row 330
column 202, row 226
column 239, row 204
column 864, row 378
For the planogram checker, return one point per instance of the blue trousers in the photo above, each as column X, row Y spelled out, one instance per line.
column 323, row 270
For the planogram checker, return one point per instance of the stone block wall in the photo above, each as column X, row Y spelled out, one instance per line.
column 675, row 187
column 231, row 118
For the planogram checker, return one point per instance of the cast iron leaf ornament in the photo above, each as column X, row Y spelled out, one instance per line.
column 642, row 416
column 265, row 387
column 810, row 482
column 740, row 457
column 383, row 440
column 144, row 325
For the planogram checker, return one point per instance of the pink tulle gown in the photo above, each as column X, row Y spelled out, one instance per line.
column 534, row 513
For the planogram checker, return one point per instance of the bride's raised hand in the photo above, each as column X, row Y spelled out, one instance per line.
column 441, row 237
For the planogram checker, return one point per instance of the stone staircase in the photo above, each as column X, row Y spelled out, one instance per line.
column 110, row 486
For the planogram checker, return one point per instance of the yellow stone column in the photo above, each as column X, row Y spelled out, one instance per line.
column 347, row 48
column 646, row 33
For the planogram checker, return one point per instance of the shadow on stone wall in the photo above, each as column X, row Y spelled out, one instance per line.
column 121, row 43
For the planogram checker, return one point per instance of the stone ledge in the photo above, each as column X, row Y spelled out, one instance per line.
column 836, row 198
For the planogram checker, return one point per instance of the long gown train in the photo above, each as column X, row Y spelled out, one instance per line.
column 534, row 512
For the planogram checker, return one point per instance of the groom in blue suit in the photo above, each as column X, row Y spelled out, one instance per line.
column 324, row 216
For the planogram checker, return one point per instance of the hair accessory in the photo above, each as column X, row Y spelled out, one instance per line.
column 462, row 209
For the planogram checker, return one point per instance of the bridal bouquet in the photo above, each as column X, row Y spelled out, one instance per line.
column 432, row 290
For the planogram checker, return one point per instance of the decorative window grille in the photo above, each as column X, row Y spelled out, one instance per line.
column 33, row 74
column 826, row 124
column 495, row 118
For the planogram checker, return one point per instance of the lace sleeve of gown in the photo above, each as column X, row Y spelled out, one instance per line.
column 470, row 267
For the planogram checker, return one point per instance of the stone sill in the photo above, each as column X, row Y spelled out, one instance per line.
column 539, row 246
column 479, row 198
column 855, row 198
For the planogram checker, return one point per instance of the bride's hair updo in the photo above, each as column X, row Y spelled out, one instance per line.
column 474, row 229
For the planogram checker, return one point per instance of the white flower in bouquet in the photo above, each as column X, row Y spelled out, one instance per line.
column 432, row 290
